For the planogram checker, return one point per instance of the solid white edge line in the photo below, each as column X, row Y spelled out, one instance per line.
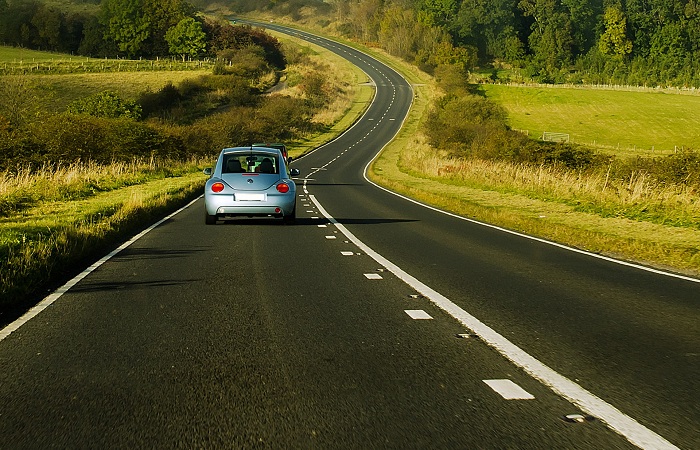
column 51, row 298
column 621, row 423
column 533, row 238
column 616, row 420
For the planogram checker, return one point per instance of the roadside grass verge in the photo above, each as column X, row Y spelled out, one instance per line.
column 56, row 219
column 48, row 238
column 624, row 123
column 636, row 222
column 643, row 222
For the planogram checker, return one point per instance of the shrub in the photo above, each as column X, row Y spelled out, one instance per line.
column 106, row 104
column 456, row 122
column 165, row 99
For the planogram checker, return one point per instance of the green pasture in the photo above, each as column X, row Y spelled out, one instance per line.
column 63, row 78
column 66, row 88
column 624, row 122
column 17, row 55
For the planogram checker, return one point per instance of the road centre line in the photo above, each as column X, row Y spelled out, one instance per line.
column 509, row 390
column 589, row 403
column 616, row 420
column 586, row 401
column 418, row 314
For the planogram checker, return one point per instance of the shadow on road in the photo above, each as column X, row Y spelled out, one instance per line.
column 306, row 221
column 154, row 253
column 125, row 286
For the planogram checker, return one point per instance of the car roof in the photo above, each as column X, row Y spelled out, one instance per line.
column 251, row 149
column 269, row 144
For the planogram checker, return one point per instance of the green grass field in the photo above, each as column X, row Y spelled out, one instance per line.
column 74, row 77
column 625, row 122
column 16, row 55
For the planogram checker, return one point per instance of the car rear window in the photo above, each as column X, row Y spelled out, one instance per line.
column 250, row 163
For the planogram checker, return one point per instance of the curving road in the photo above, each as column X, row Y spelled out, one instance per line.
column 373, row 322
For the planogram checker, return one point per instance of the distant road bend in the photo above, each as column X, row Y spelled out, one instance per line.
column 373, row 322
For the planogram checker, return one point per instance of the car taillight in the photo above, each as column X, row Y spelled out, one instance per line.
column 283, row 188
column 217, row 187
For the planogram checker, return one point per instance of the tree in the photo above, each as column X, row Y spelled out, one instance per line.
column 15, row 23
column 492, row 27
column 93, row 42
column 163, row 15
column 363, row 18
column 19, row 102
column 224, row 37
column 48, row 23
column 126, row 24
column 550, row 39
column 614, row 40
column 186, row 38
column 398, row 32
column 439, row 12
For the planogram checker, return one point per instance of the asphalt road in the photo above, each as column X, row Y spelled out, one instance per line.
column 372, row 322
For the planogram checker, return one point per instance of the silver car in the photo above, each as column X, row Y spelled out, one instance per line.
column 250, row 182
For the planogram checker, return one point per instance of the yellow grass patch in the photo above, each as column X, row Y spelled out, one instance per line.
column 65, row 88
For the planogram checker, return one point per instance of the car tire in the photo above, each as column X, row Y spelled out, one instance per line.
column 291, row 218
column 209, row 220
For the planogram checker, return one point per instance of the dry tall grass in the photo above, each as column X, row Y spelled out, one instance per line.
column 72, row 212
column 26, row 188
column 638, row 198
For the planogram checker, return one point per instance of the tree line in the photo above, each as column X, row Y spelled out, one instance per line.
column 639, row 42
column 126, row 28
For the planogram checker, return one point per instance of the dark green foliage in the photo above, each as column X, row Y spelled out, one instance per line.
column 131, row 28
column 471, row 126
column 19, row 150
column 223, row 37
column 195, row 99
column 638, row 42
column 167, row 98
column 682, row 168
column 106, row 104
column 67, row 138
column 186, row 39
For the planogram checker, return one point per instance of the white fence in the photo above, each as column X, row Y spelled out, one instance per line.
column 555, row 137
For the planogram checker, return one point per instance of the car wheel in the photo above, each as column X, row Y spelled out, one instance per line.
column 209, row 220
column 291, row 218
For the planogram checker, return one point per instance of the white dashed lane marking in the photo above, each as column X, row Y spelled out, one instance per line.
column 373, row 276
column 509, row 390
column 418, row 314
column 621, row 423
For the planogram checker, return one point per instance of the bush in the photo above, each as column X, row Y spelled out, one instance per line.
column 106, row 104
column 68, row 138
column 165, row 99
column 680, row 169
column 456, row 122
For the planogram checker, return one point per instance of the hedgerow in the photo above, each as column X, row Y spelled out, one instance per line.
column 467, row 125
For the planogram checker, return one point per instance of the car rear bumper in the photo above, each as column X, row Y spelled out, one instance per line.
column 282, row 206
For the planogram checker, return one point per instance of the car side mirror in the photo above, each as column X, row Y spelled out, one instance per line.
column 294, row 172
column 207, row 171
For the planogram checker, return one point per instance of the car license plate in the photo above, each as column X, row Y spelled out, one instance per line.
column 248, row 197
